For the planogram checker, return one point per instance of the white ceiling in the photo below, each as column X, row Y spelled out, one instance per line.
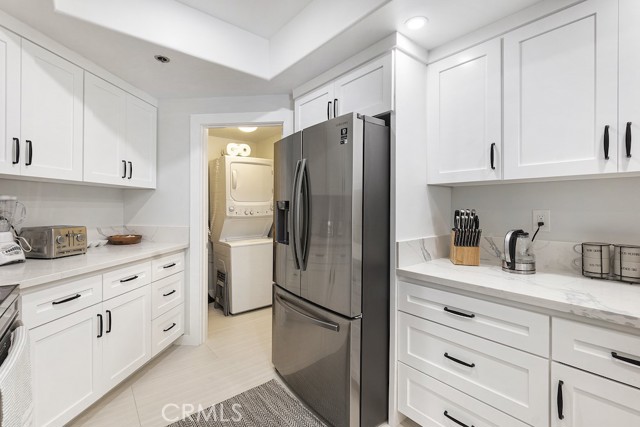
column 261, row 17
column 200, row 69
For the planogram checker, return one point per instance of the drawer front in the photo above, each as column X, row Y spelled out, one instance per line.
column 52, row 303
column 511, row 326
column 126, row 279
column 605, row 352
column 166, row 266
column 166, row 294
column 433, row 403
column 510, row 380
column 166, row 329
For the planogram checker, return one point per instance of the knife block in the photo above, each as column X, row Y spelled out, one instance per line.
column 463, row 255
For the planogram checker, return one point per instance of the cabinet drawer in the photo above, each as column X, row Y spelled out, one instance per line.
column 511, row 326
column 510, row 380
column 166, row 266
column 52, row 303
column 126, row 279
column 427, row 400
column 598, row 350
column 166, row 329
column 167, row 294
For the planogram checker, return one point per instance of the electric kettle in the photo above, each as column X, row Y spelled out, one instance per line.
column 518, row 253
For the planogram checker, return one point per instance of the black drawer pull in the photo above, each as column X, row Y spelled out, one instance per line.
column 627, row 139
column 100, row 333
column 625, row 359
column 173, row 264
column 16, row 142
column 30, row 146
column 460, row 423
column 493, row 155
column 124, row 169
column 328, row 110
column 606, row 142
column 128, row 279
column 108, row 321
column 468, row 365
column 459, row 313
column 62, row 301
column 560, row 401
column 169, row 293
column 130, row 170
column 170, row 327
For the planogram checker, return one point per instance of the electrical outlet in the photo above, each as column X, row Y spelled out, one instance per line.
column 541, row 216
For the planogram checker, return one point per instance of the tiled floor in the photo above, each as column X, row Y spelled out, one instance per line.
column 235, row 358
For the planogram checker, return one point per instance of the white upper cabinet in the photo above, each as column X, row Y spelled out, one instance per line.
column 140, row 136
column 119, row 135
column 560, row 94
column 366, row 90
column 10, row 155
column 51, row 115
column 464, row 116
column 629, row 158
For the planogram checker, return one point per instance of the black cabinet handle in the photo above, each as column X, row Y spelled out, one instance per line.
column 459, row 313
column 560, row 400
column 606, row 142
column 460, row 423
column 170, row 327
column 328, row 110
column 493, row 159
column 173, row 264
column 130, row 170
column 108, row 321
column 124, row 169
column 335, row 107
column 30, row 146
column 170, row 293
column 128, row 279
column 468, row 365
column 627, row 139
column 62, row 301
column 625, row 359
column 100, row 333
column 16, row 143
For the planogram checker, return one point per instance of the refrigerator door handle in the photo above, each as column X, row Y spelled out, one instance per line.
column 297, row 195
column 294, row 217
column 305, row 214
column 323, row 324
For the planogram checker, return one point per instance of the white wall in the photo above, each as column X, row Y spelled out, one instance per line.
column 51, row 204
column 169, row 204
column 604, row 210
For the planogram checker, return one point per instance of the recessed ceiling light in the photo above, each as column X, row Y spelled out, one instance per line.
column 162, row 58
column 416, row 22
column 247, row 129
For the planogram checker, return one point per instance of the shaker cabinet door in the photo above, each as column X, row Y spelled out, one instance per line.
column 141, row 143
column 560, row 94
column 629, row 127
column 51, row 115
column 11, row 147
column 314, row 107
column 464, row 116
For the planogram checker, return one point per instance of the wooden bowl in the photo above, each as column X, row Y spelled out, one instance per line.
column 124, row 239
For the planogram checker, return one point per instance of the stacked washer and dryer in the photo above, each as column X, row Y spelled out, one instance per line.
column 241, row 203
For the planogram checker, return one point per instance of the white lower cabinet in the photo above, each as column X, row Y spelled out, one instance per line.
column 167, row 328
column 66, row 358
column 581, row 399
column 127, row 335
column 433, row 403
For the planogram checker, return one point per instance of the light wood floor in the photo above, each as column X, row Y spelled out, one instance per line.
column 235, row 358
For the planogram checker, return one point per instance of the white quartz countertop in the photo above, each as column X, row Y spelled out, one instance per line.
column 605, row 300
column 35, row 272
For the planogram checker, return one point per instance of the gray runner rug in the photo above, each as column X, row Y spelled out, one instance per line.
column 268, row 405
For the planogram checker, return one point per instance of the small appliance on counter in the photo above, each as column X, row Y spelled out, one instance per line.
column 55, row 241
column 12, row 213
column 518, row 253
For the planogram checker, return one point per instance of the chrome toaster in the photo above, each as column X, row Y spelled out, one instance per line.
column 55, row 241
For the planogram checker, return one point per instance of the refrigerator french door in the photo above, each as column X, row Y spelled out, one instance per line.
column 331, row 268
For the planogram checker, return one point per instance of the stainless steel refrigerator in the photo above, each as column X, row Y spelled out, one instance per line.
column 331, row 268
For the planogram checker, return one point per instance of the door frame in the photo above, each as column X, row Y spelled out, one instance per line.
column 199, row 210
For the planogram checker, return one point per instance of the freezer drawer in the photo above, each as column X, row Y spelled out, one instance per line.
column 317, row 353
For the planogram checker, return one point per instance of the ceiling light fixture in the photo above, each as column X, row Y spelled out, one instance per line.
column 416, row 22
column 247, row 129
column 162, row 58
